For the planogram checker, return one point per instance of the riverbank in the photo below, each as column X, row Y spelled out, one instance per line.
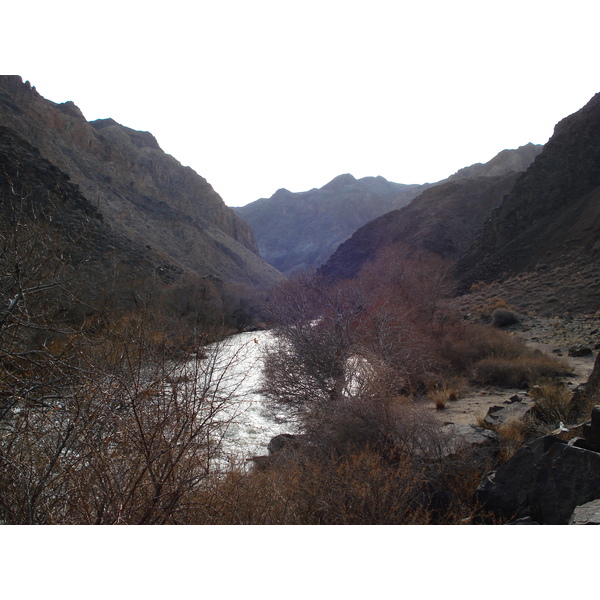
column 552, row 336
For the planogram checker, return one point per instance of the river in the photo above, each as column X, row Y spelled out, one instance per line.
column 238, row 370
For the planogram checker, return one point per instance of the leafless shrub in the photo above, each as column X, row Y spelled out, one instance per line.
column 98, row 422
column 467, row 343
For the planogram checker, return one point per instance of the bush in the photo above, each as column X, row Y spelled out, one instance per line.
column 448, row 390
column 479, row 286
column 503, row 317
column 520, row 372
column 469, row 343
column 512, row 436
column 552, row 404
column 359, row 487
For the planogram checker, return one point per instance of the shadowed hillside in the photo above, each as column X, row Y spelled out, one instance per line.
column 443, row 220
column 549, row 225
column 145, row 196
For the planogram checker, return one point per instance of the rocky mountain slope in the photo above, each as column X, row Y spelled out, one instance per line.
column 170, row 214
column 302, row 230
column 551, row 218
column 539, row 248
column 443, row 219
column 32, row 188
column 505, row 162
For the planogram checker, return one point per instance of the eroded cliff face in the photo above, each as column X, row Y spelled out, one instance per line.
column 141, row 192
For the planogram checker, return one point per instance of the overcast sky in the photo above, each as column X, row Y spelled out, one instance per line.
column 257, row 95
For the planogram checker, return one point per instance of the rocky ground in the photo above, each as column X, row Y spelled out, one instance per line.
column 555, row 336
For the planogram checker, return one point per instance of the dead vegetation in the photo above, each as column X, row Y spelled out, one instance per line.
column 114, row 416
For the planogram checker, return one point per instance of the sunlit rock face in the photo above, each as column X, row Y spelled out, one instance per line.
column 142, row 194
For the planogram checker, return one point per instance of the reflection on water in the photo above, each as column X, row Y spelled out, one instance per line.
column 237, row 374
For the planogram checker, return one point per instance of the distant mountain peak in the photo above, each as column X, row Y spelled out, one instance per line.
column 340, row 181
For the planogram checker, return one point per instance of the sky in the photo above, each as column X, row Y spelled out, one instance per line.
column 258, row 95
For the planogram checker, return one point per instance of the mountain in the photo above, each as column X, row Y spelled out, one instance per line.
column 298, row 230
column 163, row 213
column 302, row 230
column 442, row 219
column 549, row 224
column 505, row 162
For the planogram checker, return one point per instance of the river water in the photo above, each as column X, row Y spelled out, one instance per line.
column 239, row 370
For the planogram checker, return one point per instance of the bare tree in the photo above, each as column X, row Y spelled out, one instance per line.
column 98, row 422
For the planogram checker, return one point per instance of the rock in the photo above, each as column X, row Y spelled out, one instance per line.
column 586, row 514
column 260, row 462
column 579, row 350
column 300, row 230
column 523, row 521
column 539, row 211
column 283, row 444
column 545, row 481
column 587, row 393
column 578, row 442
column 506, row 490
column 434, row 221
column 591, row 430
column 140, row 192
column 459, row 437
column 516, row 409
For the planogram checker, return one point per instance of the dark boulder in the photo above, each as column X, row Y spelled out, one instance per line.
column 544, row 481
column 579, row 350
column 283, row 444
column 591, row 430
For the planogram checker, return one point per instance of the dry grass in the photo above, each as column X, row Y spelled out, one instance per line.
column 512, row 436
column 518, row 372
column 356, row 488
column 448, row 391
column 470, row 343
column 552, row 403
column 359, row 488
